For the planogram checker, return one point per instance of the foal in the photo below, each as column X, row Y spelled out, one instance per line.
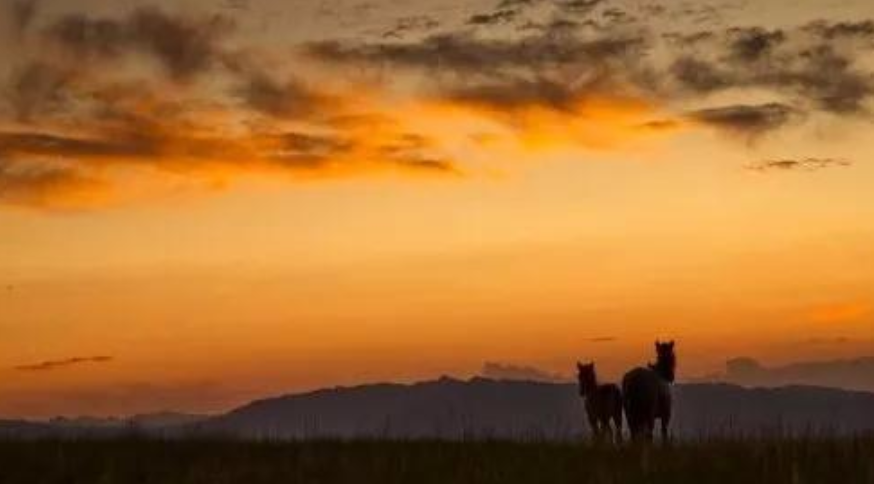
column 602, row 403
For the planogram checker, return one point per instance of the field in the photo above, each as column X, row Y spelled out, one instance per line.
column 215, row 462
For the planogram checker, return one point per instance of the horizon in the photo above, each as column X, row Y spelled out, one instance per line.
column 205, row 203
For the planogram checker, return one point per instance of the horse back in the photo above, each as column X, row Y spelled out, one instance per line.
column 641, row 393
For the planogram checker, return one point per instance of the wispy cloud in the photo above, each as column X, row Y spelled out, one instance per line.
column 747, row 120
column 801, row 164
column 603, row 339
column 65, row 363
column 841, row 312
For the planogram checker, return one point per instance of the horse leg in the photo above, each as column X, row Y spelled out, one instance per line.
column 666, row 422
column 595, row 428
column 650, row 430
column 617, row 423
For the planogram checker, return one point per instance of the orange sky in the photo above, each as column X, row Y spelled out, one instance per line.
column 254, row 212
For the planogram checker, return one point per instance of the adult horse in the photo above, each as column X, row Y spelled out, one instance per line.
column 603, row 403
column 647, row 394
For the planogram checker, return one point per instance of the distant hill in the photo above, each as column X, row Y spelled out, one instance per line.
column 147, row 421
column 449, row 408
column 163, row 423
column 482, row 408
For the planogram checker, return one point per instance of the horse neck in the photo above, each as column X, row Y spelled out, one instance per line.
column 661, row 369
column 591, row 389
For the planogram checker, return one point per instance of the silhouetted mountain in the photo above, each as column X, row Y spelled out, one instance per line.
column 16, row 429
column 449, row 408
column 455, row 409
column 163, row 423
column 856, row 374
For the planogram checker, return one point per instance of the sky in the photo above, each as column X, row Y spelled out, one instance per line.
column 209, row 202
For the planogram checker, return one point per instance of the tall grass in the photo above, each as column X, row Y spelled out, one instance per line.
column 134, row 460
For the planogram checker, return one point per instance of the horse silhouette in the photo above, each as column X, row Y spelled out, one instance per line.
column 603, row 403
column 647, row 394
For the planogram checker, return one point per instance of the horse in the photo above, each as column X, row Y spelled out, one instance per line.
column 602, row 402
column 647, row 394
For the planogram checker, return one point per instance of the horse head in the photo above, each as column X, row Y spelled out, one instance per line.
column 666, row 360
column 586, row 377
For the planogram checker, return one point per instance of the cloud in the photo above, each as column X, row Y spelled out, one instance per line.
column 153, row 92
column 789, row 63
column 852, row 374
column 30, row 144
column 183, row 46
column 464, row 53
column 863, row 29
column 800, row 164
column 65, row 363
column 406, row 25
column 500, row 371
column 43, row 184
column 747, row 120
column 280, row 99
column 493, row 18
column 750, row 45
column 843, row 312
column 579, row 7
column 603, row 339
column 38, row 89
column 22, row 14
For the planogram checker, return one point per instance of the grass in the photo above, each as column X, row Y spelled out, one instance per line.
column 145, row 461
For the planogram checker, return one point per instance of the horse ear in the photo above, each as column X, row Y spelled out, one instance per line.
column 579, row 366
column 658, row 344
column 671, row 344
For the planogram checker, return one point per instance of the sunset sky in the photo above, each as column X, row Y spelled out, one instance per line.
column 206, row 203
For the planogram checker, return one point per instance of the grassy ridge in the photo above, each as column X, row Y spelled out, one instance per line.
column 149, row 461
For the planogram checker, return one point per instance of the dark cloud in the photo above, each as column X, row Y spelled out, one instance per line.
column 500, row 371
column 699, row 75
column 685, row 39
column 749, row 120
column 86, row 37
column 579, row 7
column 65, row 363
column 801, row 164
column 406, row 25
column 518, row 3
column 748, row 45
column 35, row 144
column 287, row 99
column 183, row 46
column 38, row 88
column 863, row 29
column 493, row 18
column 22, row 14
column 786, row 62
column 830, row 79
column 616, row 16
column 464, row 53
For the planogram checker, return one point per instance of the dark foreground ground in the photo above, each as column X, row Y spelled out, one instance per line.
column 215, row 462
